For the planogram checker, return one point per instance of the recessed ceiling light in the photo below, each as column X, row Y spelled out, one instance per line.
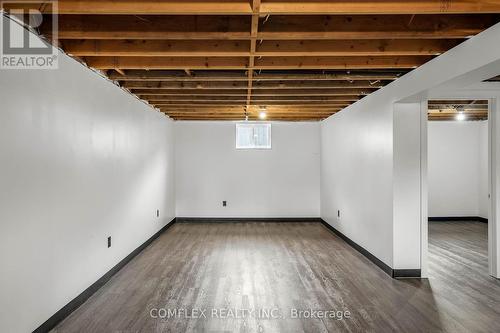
column 262, row 115
column 460, row 116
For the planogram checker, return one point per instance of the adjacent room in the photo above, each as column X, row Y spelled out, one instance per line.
column 458, row 185
column 249, row 166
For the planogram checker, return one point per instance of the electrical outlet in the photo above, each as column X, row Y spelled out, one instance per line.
column 109, row 241
column 157, row 213
column 224, row 203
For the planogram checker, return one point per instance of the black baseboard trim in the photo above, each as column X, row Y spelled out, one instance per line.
column 80, row 299
column 246, row 219
column 406, row 273
column 394, row 273
column 386, row 268
column 457, row 218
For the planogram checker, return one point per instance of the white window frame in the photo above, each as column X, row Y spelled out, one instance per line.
column 268, row 125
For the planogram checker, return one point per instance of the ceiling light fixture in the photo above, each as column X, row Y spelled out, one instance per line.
column 262, row 115
column 460, row 116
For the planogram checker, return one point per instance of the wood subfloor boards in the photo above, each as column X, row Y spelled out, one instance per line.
column 266, row 265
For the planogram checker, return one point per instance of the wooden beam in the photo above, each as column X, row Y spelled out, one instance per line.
column 259, row 92
column 298, row 27
column 438, row 108
column 320, row 7
column 189, row 92
column 291, row 113
column 149, row 27
column 271, row 108
column 156, row 75
column 304, row 99
column 212, row 103
column 241, row 112
column 143, row 7
column 292, row 7
column 155, row 48
column 374, row 26
column 382, row 47
column 223, row 112
column 167, row 62
column 457, row 102
column 259, row 99
column 406, row 62
column 285, row 85
column 284, row 48
column 447, row 113
column 233, row 118
column 455, row 112
column 478, row 118
column 200, row 85
column 254, row 29
column 361, row 84
column 451, row 115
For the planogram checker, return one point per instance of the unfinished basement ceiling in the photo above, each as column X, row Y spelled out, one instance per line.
column 494, row 79
column 297, row 60
column 469, row 110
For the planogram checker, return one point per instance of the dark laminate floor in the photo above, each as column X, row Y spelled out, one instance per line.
column 293, row 265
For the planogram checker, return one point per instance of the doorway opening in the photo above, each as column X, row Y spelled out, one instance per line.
column 458, row 188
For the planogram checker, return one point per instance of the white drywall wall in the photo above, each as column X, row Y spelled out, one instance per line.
column 457, row 168
column 357, row 153
column 356, row 175
column 406, row 177
column 80, row 160
column 494, row 213
column 280, row 182
column 483, row 192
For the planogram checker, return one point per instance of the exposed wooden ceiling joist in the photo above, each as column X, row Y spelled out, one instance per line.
column 460, row 108
column 298, row 60
column 285, row 85
column 408, row 62
column 243, row 7
column 457, row 102
column 154, row 48
column 333, row 105
column 283, row 48
column 379, row 7
column 342, row 98
column 269, row 107
column 405, row 62
column 250, row 118
column 143, row 7
column 165, row 102
column 374, row 26
column 249, row 109
column 256, row 92
column 223, row 112
column 158, row 75
column 298, row 27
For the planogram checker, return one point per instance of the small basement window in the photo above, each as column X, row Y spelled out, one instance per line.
column 253, row 136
